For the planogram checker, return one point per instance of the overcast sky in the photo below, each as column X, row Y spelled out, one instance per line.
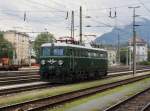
column 51, row 15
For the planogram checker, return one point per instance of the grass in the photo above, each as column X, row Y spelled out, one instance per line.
column 36, row 94
column 128, row 91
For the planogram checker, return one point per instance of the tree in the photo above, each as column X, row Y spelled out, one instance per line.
column 40, row 39
column 149, row 55
column 6, row 48
column 123, row 55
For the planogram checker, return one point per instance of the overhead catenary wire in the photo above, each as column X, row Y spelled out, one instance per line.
column 45, row 5
column 140, row 1
column 37, row 11
column 117, row 7
column 57, row 10
column 123, row 32
column 62, row 11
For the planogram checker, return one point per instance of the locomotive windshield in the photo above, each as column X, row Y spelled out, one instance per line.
column 49, row 51
column 58, row 52
column 46, row 51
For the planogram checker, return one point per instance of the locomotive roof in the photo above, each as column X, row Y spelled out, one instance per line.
column 70, row 45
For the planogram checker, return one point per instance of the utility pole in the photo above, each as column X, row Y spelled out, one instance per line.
column 118, row 48
column 30, row 52
column 14, row 54
column 80, row 25
column 134, row 39
column 72, row 25
column 129, row 57
column 114, row 16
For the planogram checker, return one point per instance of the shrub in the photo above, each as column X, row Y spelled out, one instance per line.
column 145, row 63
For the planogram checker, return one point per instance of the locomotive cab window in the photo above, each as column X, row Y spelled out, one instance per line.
column 58, row 52
column 46, row 51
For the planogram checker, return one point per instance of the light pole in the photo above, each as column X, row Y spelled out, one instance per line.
column 134, row 39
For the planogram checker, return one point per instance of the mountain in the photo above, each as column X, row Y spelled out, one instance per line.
column 126, row 33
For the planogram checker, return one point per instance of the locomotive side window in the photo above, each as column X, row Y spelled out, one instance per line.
column 58, row 52
column 89, row 54
column 103, row 55
column 94, row 54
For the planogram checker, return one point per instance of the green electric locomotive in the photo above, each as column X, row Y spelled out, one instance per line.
column 62, row 62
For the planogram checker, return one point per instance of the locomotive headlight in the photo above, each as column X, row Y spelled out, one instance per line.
column 42, row 62
column 60, row 62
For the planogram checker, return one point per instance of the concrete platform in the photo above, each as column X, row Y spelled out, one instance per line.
column 22, row 85
column 29, row 68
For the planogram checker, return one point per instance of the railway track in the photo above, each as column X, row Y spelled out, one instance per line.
column 35, row 72
column 13, row 90
column 125, row 68
column 138, row 102
column 18, row 80
column 147, row 107
column 40, row 104
column 17, row 77
column 5, row 74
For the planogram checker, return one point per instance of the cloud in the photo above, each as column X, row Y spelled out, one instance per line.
column 51, row 14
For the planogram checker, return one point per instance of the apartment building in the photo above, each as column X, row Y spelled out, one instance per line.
column 20, row 42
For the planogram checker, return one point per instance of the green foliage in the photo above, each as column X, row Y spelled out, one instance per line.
column 40, row 39
column 56, row 91
column 123, row 55
column 145, row 63
column 6, row 49
column 149, row 55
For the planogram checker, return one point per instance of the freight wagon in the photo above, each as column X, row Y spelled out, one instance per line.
column 6, row 58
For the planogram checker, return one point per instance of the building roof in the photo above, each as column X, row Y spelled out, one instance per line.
column 20, row 33
column 139, row 41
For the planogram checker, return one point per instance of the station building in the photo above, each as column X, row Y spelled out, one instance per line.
column 20, row 42
column 112, row 57
column 141, row 49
